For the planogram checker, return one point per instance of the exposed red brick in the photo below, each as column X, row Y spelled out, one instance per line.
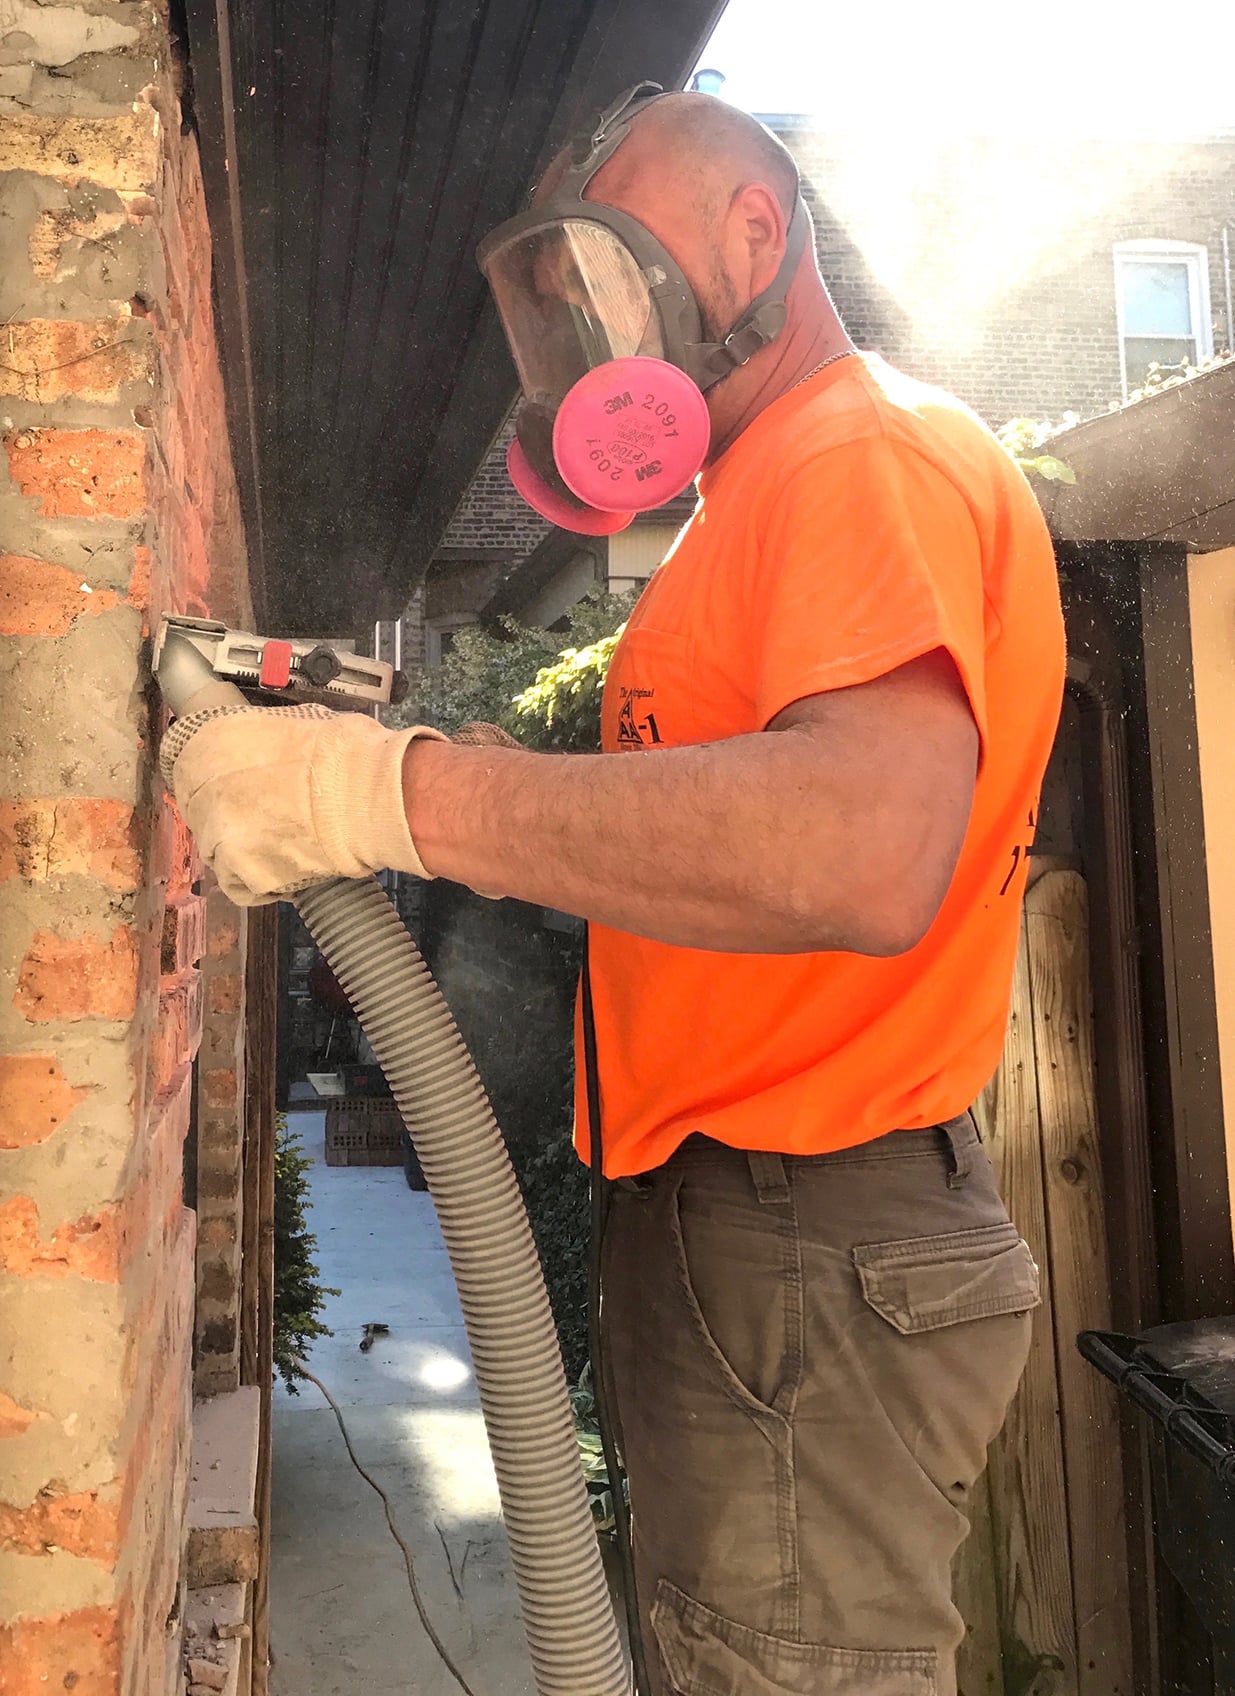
column 217, row 1233
column 40, row 599
column 78, row 977
column 222, row 938
column 15, row 1420
column 139, row 581
column 184, row 863
column 219, row 1087
column 48, row 358
column 161, row 1311
column 184, row 934
column 177, row 1033
column 80, row 473
column 139, row 1237
column 82, row 1522
column 226, row 991
column 35, row 1100
column 80, row 1651
column 43, row 839
column 100, row 1245
column 88, row 1247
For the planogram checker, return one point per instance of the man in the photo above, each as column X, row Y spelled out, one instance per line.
column 803, row 915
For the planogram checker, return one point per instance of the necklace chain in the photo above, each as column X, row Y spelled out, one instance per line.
column 823, row 364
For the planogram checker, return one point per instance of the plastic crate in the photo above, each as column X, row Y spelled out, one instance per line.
column 368, row 1132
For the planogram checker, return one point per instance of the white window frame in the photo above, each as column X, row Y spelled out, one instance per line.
column 1149, row 251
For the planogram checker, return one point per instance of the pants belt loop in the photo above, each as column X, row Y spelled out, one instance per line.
column 767, row 1172
column 957, row 1132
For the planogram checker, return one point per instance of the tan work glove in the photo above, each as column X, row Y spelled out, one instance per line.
column 280, row 798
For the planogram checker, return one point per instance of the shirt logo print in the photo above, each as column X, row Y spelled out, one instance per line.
column 1021, row 851
column 637, row 732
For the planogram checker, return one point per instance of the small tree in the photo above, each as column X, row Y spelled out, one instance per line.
column 299, row 1296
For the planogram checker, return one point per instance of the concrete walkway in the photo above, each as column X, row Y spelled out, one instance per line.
column 342, row 1615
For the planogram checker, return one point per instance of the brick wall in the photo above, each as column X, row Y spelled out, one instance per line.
column 492, row 515
column 220, row 1141
column 986, row 265
column 116, row 503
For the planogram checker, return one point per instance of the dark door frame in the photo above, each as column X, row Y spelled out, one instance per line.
column 1156, row 1018
column 1158, row 1080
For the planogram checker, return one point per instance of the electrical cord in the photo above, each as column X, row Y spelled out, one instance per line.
column 426, row 1622
column 600, row 1380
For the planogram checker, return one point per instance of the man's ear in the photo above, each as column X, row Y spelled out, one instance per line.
column 763, row 229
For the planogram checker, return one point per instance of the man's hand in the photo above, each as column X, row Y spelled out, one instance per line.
column 280, row 798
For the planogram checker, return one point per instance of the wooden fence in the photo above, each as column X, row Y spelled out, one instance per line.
column 1043, row 1581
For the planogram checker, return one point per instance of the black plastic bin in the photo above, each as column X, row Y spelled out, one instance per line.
column 1183, row 1376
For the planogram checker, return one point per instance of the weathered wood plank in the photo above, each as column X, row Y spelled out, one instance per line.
column 1029, row 1502
column 1056, row 928
column 975, row 1590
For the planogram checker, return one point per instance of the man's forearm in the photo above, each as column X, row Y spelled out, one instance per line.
column 765, row 843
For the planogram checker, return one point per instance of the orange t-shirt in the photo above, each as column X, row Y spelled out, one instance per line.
column 862, row 521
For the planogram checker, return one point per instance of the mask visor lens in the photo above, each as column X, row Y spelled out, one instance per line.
column 571, row 296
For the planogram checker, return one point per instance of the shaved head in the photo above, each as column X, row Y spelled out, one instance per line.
column 686, row 159
column 697, row 143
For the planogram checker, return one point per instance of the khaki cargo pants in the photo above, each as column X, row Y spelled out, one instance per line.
column 808, row 1357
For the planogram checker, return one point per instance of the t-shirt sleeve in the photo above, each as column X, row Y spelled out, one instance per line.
column 870, row 558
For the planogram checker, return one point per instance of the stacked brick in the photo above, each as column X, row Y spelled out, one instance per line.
column 220, row 1147
column 491, row 514
column 116, row 503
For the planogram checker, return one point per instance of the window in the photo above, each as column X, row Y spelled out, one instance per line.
column 1162, row 304
column 440, row 635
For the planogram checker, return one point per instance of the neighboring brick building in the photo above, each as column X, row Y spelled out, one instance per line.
column 1012, row 271
column 117, row 503
column 1000, row 267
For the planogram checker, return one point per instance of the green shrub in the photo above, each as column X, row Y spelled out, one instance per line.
column 479, row 678
column 541, row 686
column 560, row 710
column 299, row 1296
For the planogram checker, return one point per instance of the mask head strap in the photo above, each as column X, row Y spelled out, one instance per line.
column 589, row 152
column 763, row 320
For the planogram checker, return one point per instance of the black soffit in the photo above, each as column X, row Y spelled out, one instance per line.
column 355, row 152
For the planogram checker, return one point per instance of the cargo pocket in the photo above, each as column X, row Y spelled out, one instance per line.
column 707, row 1655
column 925, row 1283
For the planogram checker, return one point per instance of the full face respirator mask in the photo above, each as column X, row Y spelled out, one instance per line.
column 608, row 341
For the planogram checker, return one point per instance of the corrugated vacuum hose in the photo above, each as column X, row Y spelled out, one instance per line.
column 571, row 1630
